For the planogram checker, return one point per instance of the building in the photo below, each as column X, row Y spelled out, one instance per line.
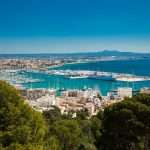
column 145, row 91
column 40, row 99
column 124, row 92
column 75, row 100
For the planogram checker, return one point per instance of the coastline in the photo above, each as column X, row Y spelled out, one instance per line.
column 92, row 61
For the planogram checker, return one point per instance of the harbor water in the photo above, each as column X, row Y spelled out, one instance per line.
column 136, row 67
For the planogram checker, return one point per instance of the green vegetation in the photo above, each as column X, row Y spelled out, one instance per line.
column 122, row 126
column 20, row 125
column 126, row 125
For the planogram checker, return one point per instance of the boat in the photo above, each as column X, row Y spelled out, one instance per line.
column 77, row 77
column 131, row 79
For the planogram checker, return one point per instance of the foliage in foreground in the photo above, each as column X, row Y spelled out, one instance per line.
column 20, row 125
column 122, row 126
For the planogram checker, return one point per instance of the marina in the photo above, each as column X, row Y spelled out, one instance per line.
column 17, row 77
column 78, row 76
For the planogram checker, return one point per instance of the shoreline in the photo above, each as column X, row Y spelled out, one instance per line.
column 92, row 61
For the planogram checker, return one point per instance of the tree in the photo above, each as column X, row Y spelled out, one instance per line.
column 52, row 115
column 124, row 125
column 82, row 114
column 52, row 143
column 96, row 126
column 19, row 123
column 68, row 133
column 144, row 117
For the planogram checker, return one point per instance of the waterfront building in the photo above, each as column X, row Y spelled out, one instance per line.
column 40, row 99
column 123, row 92
column 119, row 94
column 145, row 91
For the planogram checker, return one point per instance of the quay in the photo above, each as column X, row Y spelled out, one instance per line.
column 97, row 75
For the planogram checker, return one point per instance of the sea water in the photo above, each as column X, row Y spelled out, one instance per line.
column 136, row 67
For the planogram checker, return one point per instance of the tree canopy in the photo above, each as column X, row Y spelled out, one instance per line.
column 19, row 123
column 126, row 124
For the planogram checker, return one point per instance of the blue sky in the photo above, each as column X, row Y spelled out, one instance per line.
column 45, row 26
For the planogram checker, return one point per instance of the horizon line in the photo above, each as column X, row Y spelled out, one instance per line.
column 81, row 52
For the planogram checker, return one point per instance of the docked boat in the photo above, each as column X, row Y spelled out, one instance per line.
column 77, row 77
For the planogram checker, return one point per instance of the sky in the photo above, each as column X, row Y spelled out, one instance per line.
column 51, row 26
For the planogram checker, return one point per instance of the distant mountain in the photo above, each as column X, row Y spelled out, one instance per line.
column 119, row 53
column 104, row 53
